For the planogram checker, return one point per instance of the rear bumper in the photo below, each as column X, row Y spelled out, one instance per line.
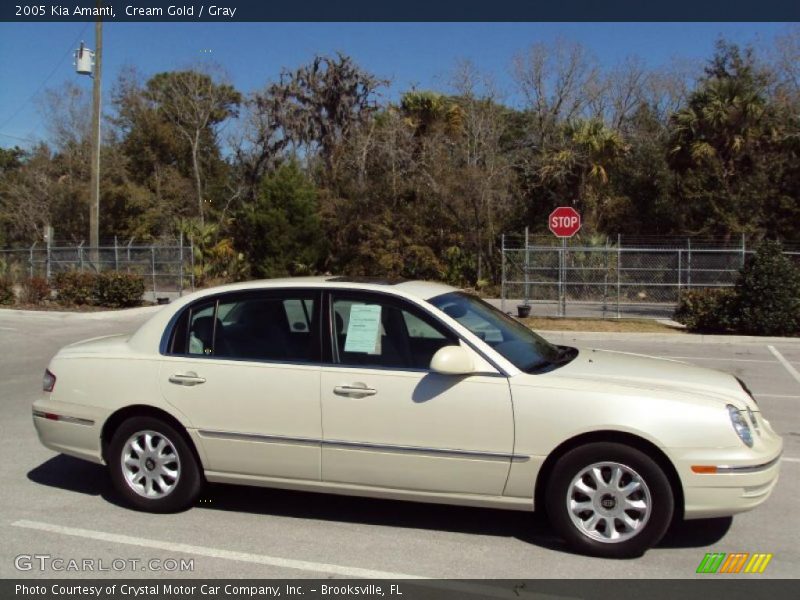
column 69, row 429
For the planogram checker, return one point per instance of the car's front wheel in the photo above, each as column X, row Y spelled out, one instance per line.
column 152, row 466
column 609, row 500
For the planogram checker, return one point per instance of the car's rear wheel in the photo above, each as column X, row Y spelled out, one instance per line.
column 609, row 500
column 152, row 466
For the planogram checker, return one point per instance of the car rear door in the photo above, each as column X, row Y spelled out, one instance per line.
column 245, row 369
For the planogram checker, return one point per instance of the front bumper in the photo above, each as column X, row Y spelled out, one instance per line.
column 744, row 478
column 728, row 493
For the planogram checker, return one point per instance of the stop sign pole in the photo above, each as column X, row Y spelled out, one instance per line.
column 564, row 222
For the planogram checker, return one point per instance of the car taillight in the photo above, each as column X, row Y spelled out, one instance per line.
column 48, row 381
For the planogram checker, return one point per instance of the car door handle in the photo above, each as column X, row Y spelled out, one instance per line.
column 354, row 390
column 190, row 378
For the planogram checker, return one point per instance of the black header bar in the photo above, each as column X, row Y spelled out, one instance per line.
column 145, row 11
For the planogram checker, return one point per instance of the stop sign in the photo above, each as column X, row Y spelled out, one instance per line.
column 564, row 221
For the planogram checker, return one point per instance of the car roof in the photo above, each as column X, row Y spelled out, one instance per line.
column 150, row 333
column 423, row 290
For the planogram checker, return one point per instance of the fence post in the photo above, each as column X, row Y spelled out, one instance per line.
column 191, row 254
column 31, row 260
column 679, row 273
column 527, row 266
column 80, row 255
column 689, row 264
column 605, row 278
column 743, row 250
column 48, row 273
column 619, row 271
column 130, row 243
column 116, row 255
column 502, row 270
column 153, row 265
column 180, row 280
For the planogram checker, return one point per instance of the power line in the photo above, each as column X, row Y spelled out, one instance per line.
column 16, row 137
column 46, row 79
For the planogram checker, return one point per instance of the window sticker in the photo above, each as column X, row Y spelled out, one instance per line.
column 364, row 329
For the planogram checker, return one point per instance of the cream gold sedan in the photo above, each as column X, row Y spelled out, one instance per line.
column 406, row 390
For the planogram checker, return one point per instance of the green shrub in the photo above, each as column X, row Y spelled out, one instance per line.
column 765, row 300
column 35, row 290
column 768, row 293
column 118, row 290
column 707, row 310
column 6, row 291
column 75, row 287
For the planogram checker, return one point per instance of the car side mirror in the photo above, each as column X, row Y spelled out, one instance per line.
column 452, row 360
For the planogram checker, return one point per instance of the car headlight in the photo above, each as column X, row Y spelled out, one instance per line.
column 740, row 425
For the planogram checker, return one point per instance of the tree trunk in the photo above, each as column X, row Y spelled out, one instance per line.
column 196, row 167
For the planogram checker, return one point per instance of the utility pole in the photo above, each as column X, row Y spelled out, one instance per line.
column 94, row 199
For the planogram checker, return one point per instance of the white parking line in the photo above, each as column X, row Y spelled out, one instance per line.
column 301, row 565
column 792, row 371
column 260, row 559
column 776, row 395
column 790, row 459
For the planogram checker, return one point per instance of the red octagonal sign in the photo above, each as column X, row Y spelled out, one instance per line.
column 564, row 221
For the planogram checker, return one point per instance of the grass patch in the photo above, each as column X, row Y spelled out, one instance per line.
column 611, row 325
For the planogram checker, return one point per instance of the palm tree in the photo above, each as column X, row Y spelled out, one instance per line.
column 720, row 123
column 582, row 161
column 714, row 143
column 425, row 110
column 600, row 147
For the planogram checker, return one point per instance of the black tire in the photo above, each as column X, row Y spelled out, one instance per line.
column 180, row 491
column 644, row 528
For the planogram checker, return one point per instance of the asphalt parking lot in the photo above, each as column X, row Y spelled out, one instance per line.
column 65, row 508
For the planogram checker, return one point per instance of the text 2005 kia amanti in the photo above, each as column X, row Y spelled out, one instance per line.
column 412, row 391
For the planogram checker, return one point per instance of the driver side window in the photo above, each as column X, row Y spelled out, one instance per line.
column 381, row 332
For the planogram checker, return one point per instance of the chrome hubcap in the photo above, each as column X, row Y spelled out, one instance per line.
column 609, row 502
column 150, row 464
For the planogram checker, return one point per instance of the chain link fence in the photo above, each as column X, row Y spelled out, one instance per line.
column 167, row 269
column 614, row 278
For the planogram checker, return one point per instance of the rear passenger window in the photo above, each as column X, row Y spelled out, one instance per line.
column 299, row 314
column 201, row 331
column 273, row 326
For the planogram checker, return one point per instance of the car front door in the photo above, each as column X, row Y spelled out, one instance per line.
column 389, row 422
column 245, row 370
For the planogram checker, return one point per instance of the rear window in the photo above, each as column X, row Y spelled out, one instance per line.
column 272, row 326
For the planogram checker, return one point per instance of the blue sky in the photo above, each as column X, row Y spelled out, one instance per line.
column 37, row 56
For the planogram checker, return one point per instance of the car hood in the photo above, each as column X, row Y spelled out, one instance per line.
column 642, row 372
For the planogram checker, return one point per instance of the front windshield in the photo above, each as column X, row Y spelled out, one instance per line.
column 522, row 347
